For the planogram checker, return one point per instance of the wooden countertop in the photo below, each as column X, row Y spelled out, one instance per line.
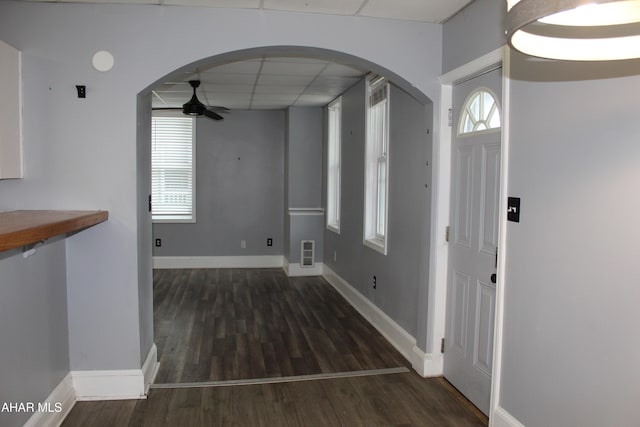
column 20, row 228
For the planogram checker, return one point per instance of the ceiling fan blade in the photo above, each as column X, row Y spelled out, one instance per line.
column 167, row 108
column 219, row 108
column 212, row 115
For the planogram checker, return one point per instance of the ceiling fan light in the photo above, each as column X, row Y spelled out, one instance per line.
column 575, row 30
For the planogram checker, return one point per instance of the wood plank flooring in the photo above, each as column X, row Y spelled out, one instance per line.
column 384, row 400
column 230, row 324
column 238, row 324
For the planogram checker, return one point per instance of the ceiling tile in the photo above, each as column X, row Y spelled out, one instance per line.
column 229, row 78
column 111, row 1
column 414, row 10
column 243, row 4
column 240, row 67
column 336, row 7
column 315, row 100
column 274, row 90
column 279, row 80
column 340, row 70
column 291, row 68
column 211, row 88
column 294, row 58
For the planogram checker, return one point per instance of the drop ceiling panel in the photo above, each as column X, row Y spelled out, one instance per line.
column 228, row 78
column 244, row 4
column 315, row 99
column 275, row 90
column 336, row 7
column 292, row 68
column 280, row 80
column 214, row 89
column 414, row 10
column 339, row 70
column 243, row 67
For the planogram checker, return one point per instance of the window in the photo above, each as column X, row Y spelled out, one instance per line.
column 333, row 164
column 172, row 169
column 377, row 165
column 480, row 113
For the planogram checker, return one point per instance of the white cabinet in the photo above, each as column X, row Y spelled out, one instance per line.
column 10, row 113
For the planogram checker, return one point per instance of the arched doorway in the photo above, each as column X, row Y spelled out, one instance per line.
column 315, row 53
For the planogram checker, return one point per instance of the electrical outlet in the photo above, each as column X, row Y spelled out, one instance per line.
column 158, row 243
column 269, row 241
column 374, row 282
column 243, row 244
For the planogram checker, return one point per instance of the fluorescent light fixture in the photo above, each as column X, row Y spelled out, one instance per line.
column 575, row 30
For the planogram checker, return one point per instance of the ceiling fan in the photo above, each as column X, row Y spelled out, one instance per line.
column 196, row 108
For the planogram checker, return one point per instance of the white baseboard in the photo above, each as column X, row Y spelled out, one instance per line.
column 117, row 384
column 150, row 368
column 427, row 364
column 296, row 270
column 109, row 385
column 423, row 363
column 62, row 397
column 258, row 261
column 501, row 418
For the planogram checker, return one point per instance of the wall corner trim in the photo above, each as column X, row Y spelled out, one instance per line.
column 423, row 363
column 116, row 384
column 502, row 418
column 64, row 395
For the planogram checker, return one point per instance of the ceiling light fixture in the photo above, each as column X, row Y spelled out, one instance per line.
column 575, row 30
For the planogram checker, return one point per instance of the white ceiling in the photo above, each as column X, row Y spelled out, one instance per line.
column 270, row 82
column 275, row 81
column 435, row 11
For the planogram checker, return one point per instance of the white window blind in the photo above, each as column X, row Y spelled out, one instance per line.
column 172, row 169
column 334, row 164
column 377, row 165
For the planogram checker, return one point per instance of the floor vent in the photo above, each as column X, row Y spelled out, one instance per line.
column 307, row 253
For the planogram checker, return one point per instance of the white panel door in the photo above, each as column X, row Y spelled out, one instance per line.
column 473, row 238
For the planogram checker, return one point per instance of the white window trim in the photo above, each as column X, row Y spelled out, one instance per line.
column 334, row 225
column 463, row 113
column 180, row 219
column 371, row 238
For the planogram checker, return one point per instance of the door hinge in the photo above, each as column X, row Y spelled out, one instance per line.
column 442, row 346
column 446, row 234
column 450, row 118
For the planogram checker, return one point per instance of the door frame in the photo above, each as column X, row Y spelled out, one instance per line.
column 438, row 258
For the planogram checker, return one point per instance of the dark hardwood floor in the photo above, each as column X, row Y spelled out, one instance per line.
column 230, row 324
column 239, row 324
column 382, row 400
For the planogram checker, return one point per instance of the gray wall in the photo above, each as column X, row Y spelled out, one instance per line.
column 570, row 354
column 33, row 326
column 304, row 144
column 83, row 153
column 303, row 174
column 401, row 274
column 475, row 30
column 239, row 189
column 570, row 350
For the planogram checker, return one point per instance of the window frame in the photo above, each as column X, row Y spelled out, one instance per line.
column 377, row 153
column 334, row 171
column 177, row 218
column 479, row 92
